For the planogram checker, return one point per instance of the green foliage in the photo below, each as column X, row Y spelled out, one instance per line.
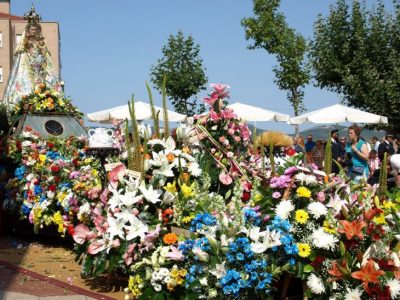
column 184, row 69
column 135, row 157
column 269, row 30
column 328, row 157
column 356, row 52
column 154, row 114
column 383, row 177
column 165, row 109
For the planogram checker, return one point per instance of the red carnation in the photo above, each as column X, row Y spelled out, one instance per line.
column 50, row 145
column 71, row 229
column 55, row 169
column 246, row 196
column 52, row 188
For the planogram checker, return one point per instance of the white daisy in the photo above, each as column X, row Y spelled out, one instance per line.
column 284, row 208
column 394, row 286
column 317, row 209
column 315, row 284
column 353, row 294
column 323, row 240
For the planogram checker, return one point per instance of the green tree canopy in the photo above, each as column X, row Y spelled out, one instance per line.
column 356, row 52
column 269, row 30
column 184, row 72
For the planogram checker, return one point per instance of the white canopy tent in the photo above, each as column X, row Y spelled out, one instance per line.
column 338, row 114
column 142, row 110
column 256, row 114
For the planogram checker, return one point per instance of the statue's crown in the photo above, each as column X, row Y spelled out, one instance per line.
column 32, row 16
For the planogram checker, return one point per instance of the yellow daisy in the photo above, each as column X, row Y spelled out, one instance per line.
column 303, row 192
column 301, row 216
column 304, row 249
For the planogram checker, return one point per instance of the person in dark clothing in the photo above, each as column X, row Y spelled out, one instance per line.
column 336, row 150
column 386, row 147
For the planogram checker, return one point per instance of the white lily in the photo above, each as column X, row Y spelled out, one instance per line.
column 116, row 228
column 136, row 228
column 219, row 270
column 150, row 194
column 269, row 239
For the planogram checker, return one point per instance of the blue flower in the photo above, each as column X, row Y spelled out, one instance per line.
column 20, row 172
column 202, row 221
column 251, row 216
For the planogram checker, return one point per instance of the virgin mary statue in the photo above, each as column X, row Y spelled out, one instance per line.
column 32, row 63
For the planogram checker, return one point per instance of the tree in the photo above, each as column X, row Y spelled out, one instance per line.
column 269, row 30
column 356, row 52
column 184, row 72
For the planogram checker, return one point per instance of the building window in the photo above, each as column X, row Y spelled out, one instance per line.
column 1, row 74
column 18, row 38
column 1, row 39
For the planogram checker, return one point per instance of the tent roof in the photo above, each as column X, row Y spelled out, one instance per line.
column 256, row 114
column 338, row 113
column 142, row 110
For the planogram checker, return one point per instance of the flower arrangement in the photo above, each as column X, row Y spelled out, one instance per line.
column 54, row 181
column 43, row 100
column 216, row 223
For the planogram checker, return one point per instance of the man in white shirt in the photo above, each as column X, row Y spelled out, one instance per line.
column 376, row 143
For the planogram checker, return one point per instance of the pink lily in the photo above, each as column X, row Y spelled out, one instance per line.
column 115, row 174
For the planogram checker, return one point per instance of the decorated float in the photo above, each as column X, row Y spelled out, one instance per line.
column 202, row 212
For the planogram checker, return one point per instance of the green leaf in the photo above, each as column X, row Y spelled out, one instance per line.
column 308, row 268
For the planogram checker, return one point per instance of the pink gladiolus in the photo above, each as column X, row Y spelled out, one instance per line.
column 225, row 178
column 215, row 117
column 228, row 114
column 176, row 254
column 231, row 131
column 211, row 100
column 104, row 196
column 115, row 174
column 80, row 233
column 96, row 247
column 219, row 89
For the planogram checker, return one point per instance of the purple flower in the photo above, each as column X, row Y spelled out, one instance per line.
column 280, row 182
column 290, row 170
column 276, row 195
column 321, row 196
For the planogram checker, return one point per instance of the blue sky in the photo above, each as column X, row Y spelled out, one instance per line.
column 108, row 48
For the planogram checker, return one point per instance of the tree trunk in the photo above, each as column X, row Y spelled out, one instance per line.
column 295, row 104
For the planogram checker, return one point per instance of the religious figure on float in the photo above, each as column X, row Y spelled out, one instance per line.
column 32, row 63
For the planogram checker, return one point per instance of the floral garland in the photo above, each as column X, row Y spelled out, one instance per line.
column 43, row 100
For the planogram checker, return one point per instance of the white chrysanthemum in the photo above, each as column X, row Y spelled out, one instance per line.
column 321, row 239
column 353, row 294
column 317, row 209
column 195, row 169
column 306, row 179
column 315, row 284
column 394, row 286
column 284, row 208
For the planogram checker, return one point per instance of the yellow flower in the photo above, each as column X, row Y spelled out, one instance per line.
column 257, row 197
column 303, row 192
column 301, row 216
column 42, row 157
column 61, row 102
column 134, row 285
column 380, row 220
column 174, row 273
column 182, row 272
column 304, row 249
column 329, row 228
column 187, row 219
column 179, row 280
column 388, row 205
column 187, row 190
column 171, row 187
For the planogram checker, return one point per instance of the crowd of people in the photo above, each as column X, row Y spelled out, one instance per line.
column 360, row 158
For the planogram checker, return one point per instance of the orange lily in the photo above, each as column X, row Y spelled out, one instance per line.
column 368, row 274
column 335, row 271
column 352, row 229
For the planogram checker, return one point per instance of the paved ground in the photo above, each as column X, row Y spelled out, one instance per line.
column 20, row 281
